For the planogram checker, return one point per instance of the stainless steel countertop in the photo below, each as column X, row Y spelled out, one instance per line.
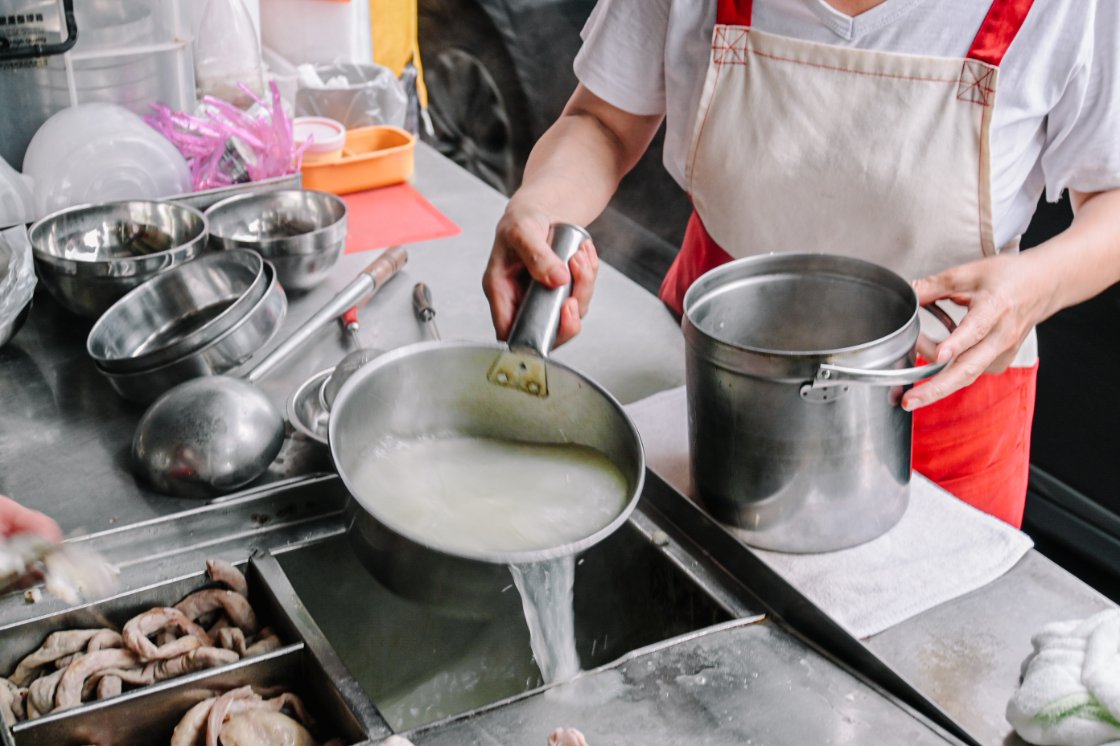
column 966, row 654
column 65, row 435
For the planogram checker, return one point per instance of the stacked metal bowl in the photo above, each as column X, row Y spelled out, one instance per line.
column 302, row 232
column 89, row 256
column 204, row 317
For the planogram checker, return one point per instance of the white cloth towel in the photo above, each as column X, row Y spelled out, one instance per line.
column 1070, row 695
column 942, row 548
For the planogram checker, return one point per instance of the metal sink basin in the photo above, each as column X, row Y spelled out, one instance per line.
column 419, row 665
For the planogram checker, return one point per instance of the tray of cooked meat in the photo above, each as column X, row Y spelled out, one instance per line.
column 226, row 656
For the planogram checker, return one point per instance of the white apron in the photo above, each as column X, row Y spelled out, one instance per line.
column 805, row 147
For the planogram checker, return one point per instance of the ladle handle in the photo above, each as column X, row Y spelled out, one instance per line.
column 538, row 319
column 379, row 271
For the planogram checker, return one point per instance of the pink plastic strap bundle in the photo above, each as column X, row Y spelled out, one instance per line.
column 225, row 145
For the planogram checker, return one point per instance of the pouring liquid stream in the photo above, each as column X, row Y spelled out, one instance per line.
column 488, row 495
column 546, row 590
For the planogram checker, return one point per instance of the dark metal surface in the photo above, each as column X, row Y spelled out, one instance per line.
column 778, row 597
column 746, row 681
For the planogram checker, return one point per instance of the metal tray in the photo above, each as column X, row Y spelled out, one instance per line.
column 306, row 665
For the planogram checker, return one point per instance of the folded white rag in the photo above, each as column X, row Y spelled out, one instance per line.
column 942, row 548
column 1070, row 694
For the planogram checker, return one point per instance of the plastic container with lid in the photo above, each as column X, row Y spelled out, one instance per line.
column 373, row 157
column 327, row 138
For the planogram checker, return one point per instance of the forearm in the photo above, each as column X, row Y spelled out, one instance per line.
column 577, row 164
column 1083, row 260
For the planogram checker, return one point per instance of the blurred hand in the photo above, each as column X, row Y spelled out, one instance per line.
column 1006, row 296
column 521, row 251
column 14, row 519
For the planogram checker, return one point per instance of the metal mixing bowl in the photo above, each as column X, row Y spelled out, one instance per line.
column 178, row 311
column 231, row 349
column 302, row 232
column 91, row 255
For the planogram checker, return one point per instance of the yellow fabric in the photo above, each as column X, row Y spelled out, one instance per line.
column 395, row 33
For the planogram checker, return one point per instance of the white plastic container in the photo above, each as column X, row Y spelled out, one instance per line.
column 317, row 30
column 327, row 138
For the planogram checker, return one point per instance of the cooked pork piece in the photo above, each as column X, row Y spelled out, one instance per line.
column 69, row 692
column 153, row 621
column 132, row 676
column 105, row 638
column 41, row 693
column 109, row 686
column 265, row 642
column 57, row 645
column 66, row 661
column 223, row 572
column 11, row 702
column 231, row 638
column 221, row 709
column 196, row 660
column 264, row 728
column 189, row 730
column 235, row 605
column 221, row 623
column 566, row 737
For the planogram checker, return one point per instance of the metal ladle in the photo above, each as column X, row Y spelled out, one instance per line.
column 213, row 434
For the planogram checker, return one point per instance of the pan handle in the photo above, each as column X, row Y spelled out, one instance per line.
column 538, row 319
column 831, row 376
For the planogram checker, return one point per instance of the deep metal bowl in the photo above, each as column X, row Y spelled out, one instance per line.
column 302, row 232
column 91, row 255
column 231, row 349
column 178, row 311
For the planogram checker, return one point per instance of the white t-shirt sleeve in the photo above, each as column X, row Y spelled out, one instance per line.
column 622, row 57
column 1082, row 150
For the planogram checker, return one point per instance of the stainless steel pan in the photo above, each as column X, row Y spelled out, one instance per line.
column 482, row 390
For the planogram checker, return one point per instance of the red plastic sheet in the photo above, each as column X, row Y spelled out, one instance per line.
column 391, row 216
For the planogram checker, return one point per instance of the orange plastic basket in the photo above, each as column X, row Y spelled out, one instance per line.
column 372, row 157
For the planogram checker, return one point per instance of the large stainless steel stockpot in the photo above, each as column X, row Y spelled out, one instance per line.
column 796, row 364
column 455, row 388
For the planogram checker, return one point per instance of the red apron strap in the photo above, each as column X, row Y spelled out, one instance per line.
column 998, row 30
column 734, row 12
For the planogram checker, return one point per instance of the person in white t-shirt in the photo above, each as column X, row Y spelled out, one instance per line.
column 918, row 134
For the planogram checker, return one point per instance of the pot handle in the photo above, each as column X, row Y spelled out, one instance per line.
column 831, row 376
column 538, row 319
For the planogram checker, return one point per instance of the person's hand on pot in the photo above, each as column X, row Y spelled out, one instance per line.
column 1007, row 295
column 521, row 251
column 15, row 519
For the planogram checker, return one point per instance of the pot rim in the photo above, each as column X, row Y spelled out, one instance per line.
column 389, row 359
column 714, row 282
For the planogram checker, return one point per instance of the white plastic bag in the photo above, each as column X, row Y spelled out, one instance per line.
column 358, row 95
column 17, row 277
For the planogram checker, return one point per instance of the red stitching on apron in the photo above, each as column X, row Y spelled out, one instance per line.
column 834, row 68
column 703, row 124
column 979, row 90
